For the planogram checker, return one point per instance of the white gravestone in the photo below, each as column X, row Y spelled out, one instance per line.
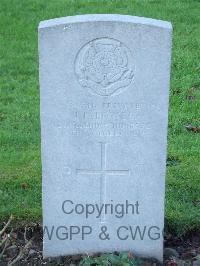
column 104, row 105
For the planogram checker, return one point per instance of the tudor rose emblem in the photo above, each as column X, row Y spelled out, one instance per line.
column 104, row 66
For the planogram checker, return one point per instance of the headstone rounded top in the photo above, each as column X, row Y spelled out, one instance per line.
column 106, row 18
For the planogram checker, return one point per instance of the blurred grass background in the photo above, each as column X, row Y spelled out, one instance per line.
column 20, row 165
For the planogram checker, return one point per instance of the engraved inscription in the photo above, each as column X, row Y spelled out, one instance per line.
column 104, row 67
column 103, row 172
column 108, row 119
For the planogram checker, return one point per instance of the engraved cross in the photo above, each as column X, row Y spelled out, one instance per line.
column 103, row 172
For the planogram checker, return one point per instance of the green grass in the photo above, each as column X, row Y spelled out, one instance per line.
column 20, row 165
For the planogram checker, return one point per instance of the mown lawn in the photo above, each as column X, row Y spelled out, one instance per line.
column 20, row 166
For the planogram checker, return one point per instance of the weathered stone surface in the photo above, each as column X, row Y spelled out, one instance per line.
column 104, row 105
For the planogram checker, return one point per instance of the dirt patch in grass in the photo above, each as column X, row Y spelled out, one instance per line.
column 23, row 246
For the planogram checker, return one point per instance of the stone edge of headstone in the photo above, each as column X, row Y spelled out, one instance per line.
column 105, row 18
